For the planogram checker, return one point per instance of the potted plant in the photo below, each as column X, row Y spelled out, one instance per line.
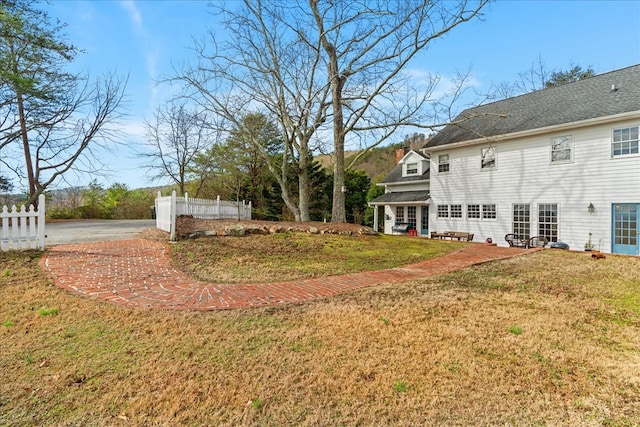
column 589, row 245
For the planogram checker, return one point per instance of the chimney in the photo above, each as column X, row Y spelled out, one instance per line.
column 400, row 152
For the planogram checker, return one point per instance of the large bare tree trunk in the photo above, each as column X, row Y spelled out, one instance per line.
column 26, row 148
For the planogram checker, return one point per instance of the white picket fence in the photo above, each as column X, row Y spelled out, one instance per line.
column 22, row 228
column 168, row 208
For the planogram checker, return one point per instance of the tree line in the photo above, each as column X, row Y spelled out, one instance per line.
column 95, row 201
column 286, row 80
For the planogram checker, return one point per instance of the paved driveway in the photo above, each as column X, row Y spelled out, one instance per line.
column 94, row 230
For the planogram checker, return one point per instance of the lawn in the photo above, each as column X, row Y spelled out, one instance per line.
column 292, row 256
column 550, row 338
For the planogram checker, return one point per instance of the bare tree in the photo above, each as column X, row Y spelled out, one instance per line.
column 540, row 76
column 368, row 47
column 262, row 67
column 322, row 68
column 51, row 119
column 175, row 136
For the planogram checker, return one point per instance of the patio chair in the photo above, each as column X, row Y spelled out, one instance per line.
column 516, row 241
column 537, row 242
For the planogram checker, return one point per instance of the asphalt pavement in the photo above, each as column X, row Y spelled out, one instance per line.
column 94, row 230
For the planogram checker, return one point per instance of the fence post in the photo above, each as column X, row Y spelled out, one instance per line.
column 187, row 209
column 158, row 215
column 218, row 206
column 41, row 221
column 4, row 231
column 172, row 216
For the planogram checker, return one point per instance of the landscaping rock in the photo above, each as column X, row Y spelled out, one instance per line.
column 235, row 231
column 188, row 226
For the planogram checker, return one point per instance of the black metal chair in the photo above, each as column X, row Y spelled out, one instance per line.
column 537, row 242
column 516, row 241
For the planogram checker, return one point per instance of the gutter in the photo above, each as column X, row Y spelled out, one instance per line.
column 537, row 131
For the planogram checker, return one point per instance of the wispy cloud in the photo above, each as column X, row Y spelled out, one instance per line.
column 134, row 14
column 149, row 45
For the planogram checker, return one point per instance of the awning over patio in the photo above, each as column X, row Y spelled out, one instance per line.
column 402, row 198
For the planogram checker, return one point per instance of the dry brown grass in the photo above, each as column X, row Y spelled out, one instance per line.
column 546, row 339
column 292, row 256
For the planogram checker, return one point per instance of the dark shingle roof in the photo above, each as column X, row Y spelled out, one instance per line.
column 582, row 100
column 401, row 197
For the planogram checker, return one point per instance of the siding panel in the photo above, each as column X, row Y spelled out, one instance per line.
column 524, row 174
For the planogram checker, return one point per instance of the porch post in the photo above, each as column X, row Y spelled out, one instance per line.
column 375, row 217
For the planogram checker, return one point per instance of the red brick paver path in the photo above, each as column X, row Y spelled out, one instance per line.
column 139, row 273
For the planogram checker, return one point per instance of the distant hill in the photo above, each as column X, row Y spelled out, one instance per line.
column 376, row 163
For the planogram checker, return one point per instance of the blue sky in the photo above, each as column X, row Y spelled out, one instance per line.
column 144, row 38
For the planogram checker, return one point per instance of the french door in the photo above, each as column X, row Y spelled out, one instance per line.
column 625, row 229
column 424, row 223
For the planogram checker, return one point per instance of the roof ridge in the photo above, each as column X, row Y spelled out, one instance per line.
column 545, row 89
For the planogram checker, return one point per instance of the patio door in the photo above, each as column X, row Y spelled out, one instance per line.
column 625, row 229
column 522, row 220
column 424, row 221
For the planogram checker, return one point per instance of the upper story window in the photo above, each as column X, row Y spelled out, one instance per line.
column 488, row 158
column 625, row 141
column 561, row 149
column 443, row 163
column 412, row 168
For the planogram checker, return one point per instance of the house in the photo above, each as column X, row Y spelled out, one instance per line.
column 406, row 197
column 563, row 163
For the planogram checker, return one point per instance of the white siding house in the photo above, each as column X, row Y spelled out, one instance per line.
column 562, row 162
column 406, row 194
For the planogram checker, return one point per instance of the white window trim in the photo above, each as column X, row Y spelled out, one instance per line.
column 417, row 168
column 479, row 211
column 438, row 212
column 623, row 156
column 495, row 159
column 571, row 150
column 448, row 163
column 535, row 222
column 482, row 205
column 461, row 217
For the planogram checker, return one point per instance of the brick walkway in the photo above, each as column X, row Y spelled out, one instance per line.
column 139, row 273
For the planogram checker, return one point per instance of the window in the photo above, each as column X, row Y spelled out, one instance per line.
column 626, row 224
column 548, row 221
column 625, row 141
column 411, row 216
column 399, row 213
column 488, row 158
column 473, row 211
column 522, row 220
column 489, row 211
column 456, row 211
column 561, row 149
column 443, row 211
column 412, row 168
column 443, row 163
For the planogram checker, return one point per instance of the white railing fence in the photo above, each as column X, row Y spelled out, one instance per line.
column 168, row 208
column 22, row 228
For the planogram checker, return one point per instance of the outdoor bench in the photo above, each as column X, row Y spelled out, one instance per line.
column 457, row 235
